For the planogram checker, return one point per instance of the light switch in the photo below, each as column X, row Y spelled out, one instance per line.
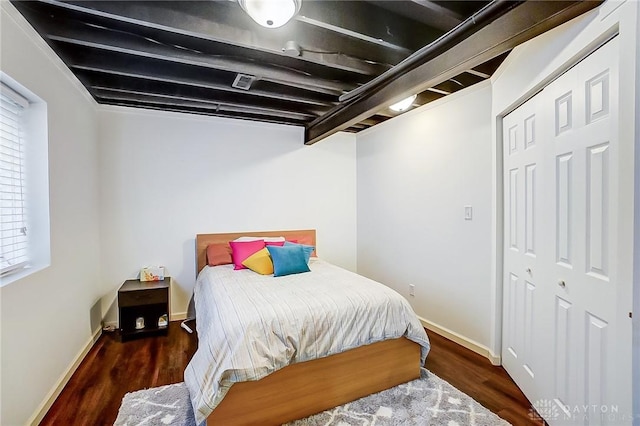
column 468, row 212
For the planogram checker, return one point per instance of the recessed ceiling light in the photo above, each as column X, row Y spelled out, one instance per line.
column 404, row 104
column 271, row 13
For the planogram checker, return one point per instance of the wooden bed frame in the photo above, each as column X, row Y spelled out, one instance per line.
column 300, row 390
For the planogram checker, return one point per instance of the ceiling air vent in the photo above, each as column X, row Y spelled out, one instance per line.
column 243, row 81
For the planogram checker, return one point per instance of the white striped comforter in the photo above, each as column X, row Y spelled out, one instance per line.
column 250, row 325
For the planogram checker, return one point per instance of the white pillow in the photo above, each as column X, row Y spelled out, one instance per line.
column 266, row 239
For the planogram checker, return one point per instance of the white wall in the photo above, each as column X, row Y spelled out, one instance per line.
column 45, row 317
column 166, row 177
column 415, row 175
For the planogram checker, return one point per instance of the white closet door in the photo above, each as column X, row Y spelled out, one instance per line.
column 523, row 153
column 560, row 271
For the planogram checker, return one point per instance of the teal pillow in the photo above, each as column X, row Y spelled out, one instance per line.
column 288, row 260
column 307, row 249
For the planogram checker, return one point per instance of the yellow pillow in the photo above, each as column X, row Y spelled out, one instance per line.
column 260, row 262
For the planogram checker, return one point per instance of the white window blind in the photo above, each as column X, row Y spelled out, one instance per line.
column 13, row 220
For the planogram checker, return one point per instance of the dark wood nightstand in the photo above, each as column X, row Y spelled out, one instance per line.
column 148, row 300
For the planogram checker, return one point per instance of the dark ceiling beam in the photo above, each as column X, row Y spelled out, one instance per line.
column 378, row 27
column 79, row 58
column 173, row 100
column 423, row 15
column 509, row 30
column 447, row 16
column 102, row 40
column 426, row 97
column 475, row 22
column 45, row 15
column 466, row 79
column 208, row 96
column 372, row 121
column 199, row 19
column 384, row 113
column 159, row 106
column 478, row 73
column 450, row 86
column 356, row 128
column 350, row 33
column 440, row 91
column 182, row 80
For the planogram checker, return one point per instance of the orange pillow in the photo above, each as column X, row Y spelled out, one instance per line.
column 303, row 239
column 219, row 254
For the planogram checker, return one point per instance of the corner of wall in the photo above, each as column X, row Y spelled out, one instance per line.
column 55, row 391
column 495, row 344
column 463, row 341
column 10, row 12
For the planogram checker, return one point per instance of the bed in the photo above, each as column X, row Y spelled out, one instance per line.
column 300, row 361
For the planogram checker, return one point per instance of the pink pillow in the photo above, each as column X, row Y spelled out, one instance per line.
column 219, row 254
column 240, row 250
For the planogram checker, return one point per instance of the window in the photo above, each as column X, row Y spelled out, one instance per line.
column 13, row 215
column 25, row 241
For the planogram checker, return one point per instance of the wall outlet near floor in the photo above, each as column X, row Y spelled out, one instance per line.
column 412, row 290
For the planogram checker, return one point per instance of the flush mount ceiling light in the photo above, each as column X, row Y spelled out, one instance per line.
column 271, row 13
column 404, row 104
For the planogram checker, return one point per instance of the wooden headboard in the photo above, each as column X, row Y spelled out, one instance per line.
column 308, row 236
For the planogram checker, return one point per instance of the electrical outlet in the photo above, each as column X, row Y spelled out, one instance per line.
column 412, row 290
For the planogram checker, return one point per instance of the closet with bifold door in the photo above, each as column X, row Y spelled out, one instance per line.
column 566, row 336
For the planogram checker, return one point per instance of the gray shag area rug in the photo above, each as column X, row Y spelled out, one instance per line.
column 428, row 400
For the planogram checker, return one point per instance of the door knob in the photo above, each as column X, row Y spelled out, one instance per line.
column 529, row 271
column 562, row 284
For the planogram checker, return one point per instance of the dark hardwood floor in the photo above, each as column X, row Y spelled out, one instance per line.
column 111, row 369
column 474, row 375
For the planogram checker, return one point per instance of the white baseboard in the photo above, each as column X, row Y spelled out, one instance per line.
column 494, row 359
column 178, row 316
column 462, row 341
column 48, row 401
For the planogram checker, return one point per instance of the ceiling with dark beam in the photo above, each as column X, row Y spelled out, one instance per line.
column 337, row 65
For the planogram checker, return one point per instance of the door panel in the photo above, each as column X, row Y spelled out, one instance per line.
column 564, row 184
column 530, row 210
column 522, row 240
column 598, row 211
column 563, row 343
column 513, row 209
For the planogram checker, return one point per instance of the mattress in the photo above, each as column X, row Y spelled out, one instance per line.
column 250, row 325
